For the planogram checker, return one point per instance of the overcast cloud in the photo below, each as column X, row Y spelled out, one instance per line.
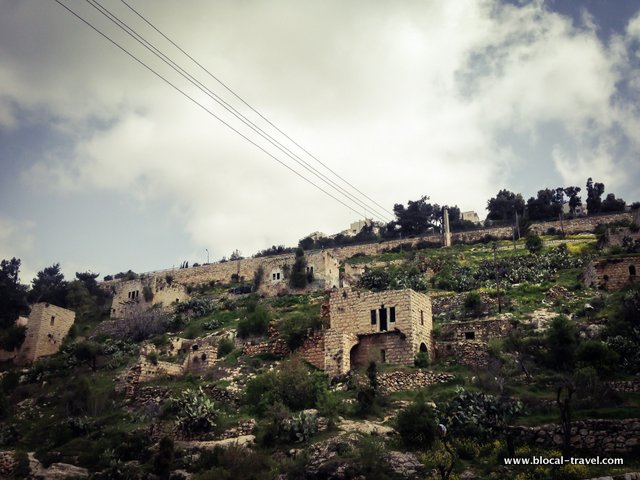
column 108, row 168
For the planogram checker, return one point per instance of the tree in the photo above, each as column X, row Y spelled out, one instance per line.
column 505, row 205
column 613, row 204
column 533, row 243
column 574, row 199
column 594, row 196
column 547, row 205
column 49, row 286
column 13, row 295
column 416, row 424
column 417, row 218
column 298, row 278
column 561, row 344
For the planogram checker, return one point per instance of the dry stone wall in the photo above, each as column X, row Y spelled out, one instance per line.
column 313, row 350
column 129, row 297
column 471, row 353
column 482, row 330
column 604, row 436
column 401, row 380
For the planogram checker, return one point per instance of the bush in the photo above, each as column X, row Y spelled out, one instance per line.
column 147, row 293
column 533, row 243
column 416, row 425
column 291, row 384
column 376, row 280
column 225, row 347
column 422, row 360
column 256, row 323
column 596, row 354
column 467, row 449
column 196, row 412
column 163, row 460
column 561, row 342
column 296, row 327
column 473, row 303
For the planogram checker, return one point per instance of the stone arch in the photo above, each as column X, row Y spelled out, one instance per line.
column 353, row 353
column 423, row 347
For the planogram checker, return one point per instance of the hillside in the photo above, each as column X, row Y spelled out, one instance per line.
column 532, row 351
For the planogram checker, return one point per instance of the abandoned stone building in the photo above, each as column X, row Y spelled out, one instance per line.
column 47, row 327
column 133, row 297
column 612, row 273
column 387, row 327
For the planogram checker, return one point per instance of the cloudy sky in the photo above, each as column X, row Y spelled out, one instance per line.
column 106, row 168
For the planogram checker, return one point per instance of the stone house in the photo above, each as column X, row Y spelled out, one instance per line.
column 47, row 327
column 133, row 297
column 612, row 273
column 387, row 327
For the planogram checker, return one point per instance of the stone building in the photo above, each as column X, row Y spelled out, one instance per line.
column 612, row 273
column 133, row 297
column 387, row 327
column 47, row 327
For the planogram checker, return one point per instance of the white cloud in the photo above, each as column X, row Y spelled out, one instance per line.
column 402, row 99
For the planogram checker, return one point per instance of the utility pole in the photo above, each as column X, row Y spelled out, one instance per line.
column 207, row 250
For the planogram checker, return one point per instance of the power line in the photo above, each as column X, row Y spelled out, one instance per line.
column 116, row 44
column 149, row 46
column 248, row 105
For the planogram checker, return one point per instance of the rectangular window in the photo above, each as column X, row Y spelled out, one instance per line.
column 278, row 276
column 53, row 319
column 383, row 356
column 273, row 276
column 421, row 317
column 373, row 317
column 392, row 314
column 469, row 335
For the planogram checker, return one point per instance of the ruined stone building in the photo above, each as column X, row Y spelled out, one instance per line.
column 387, row 327
column 612, row 273
column 47, row 327
column 133, row 297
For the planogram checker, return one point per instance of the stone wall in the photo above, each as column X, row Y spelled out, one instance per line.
column 471, row 353
column 277, row 347
column 604, row 436
column 625, row 386
column 401, row 380
column 47, row 327
column 326, row 271
column 354, row 315
column 615, row 237
column 381, row 347
column 129, row 300
column 312, row 350
column 612, row 273
column 482, row 330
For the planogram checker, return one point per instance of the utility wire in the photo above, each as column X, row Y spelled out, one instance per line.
column 248, row 105
column 116, row 44
column 131, row 32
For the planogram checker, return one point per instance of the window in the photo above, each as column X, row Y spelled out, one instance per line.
column 469, row 335
column 632, row 270
column 53, row 319
column 273, row 276
column 421, row 317
column 373, row 317
column 392, row 314
column 383, row 356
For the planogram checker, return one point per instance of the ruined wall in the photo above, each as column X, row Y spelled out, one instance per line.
column 129, row 300
column 312, row 350
column 612, row 273
column 46, row 329
column 381, row 347
column 399, row 380
column 471, row 353
column 606, row 436
column 481, row 330
column 355, row 313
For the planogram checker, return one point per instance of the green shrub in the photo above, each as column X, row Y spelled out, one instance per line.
column 147, row 293
column 295, row 328
column 256, row 323
column 163, row 460
column 533, row 243
column 225, row 347
column 473, row 304
column 467, row 449
column 196, row 412
column 422, row 360
column 597, row 354
column 416, row 425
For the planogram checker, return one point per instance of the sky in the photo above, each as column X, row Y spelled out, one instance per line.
column 106, row 167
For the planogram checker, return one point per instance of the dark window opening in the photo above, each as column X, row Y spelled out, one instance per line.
column 469, row 335
column 606, row 278
column 383, row 318
column 392, row 314
column 632, row 270
column 421, row 317
column 448, row 347
column 423, row 347
column 383, row 356
column 53, row 319
column 373, row 317
column 203, row 357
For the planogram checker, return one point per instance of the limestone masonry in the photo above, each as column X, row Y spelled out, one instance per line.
column 388, row 327
column 46, row 329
